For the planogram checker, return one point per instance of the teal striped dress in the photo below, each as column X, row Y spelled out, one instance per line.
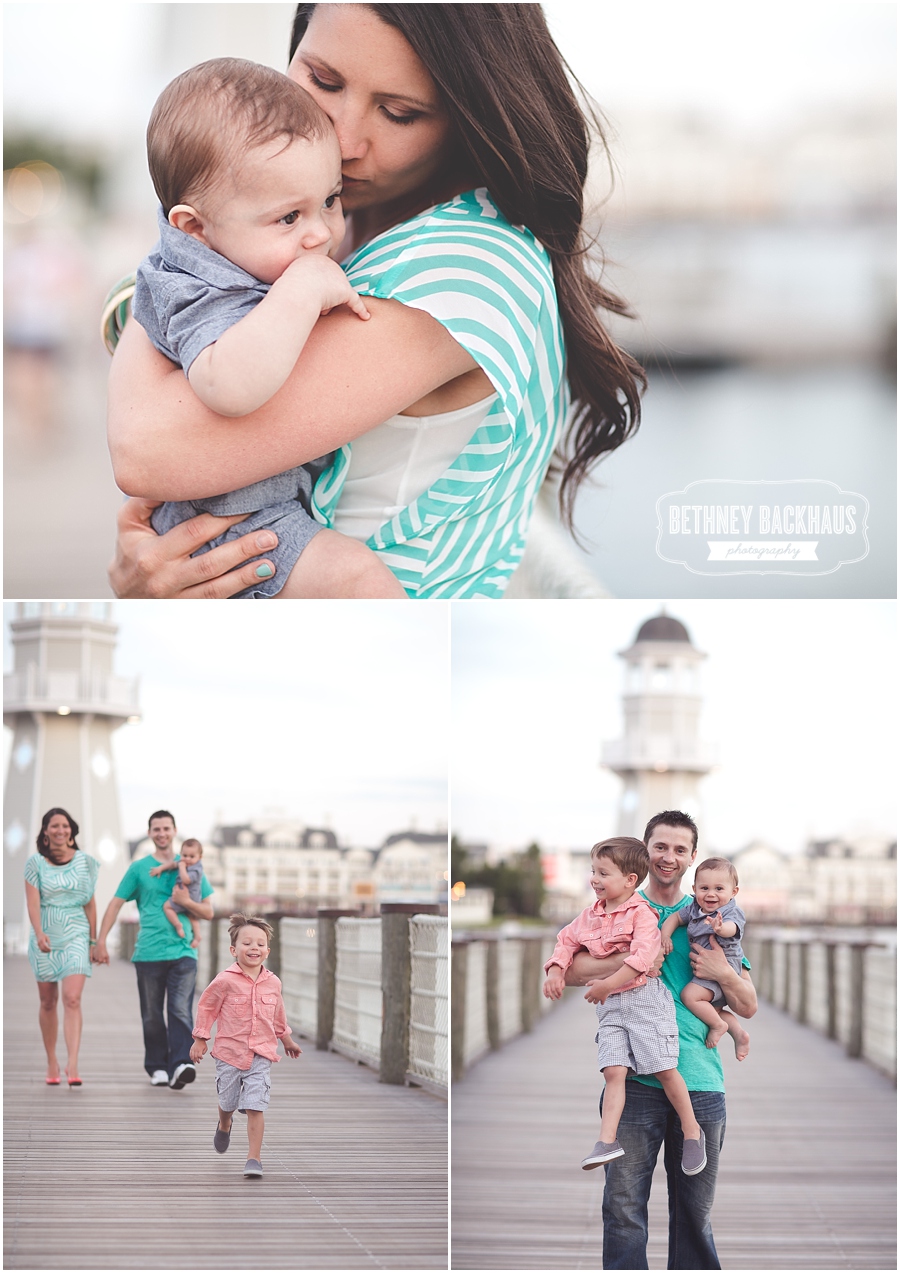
column 491, row 285
column 65, row 891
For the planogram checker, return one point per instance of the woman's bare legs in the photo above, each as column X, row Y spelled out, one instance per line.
column 71, row 995
column 49, row 1023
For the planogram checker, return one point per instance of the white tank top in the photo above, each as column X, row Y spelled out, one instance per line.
column 396, row 462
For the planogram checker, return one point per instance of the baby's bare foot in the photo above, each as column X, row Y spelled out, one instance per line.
column 741, row 1041
column 195, row 943
column 179, row 929
column 715, row 1033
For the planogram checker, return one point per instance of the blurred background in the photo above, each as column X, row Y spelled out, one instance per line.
column 750, row 223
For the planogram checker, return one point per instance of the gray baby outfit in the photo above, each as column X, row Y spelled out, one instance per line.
column 700, row 932
column 195, row 875
column 186, row 297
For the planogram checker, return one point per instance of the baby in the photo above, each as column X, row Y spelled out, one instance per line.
column 247, row 168
column 713, row 911
column 190, row 873
column 637, row 1032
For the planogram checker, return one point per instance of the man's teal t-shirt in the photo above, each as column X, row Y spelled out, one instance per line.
column 157, row 939
column 698, row 1065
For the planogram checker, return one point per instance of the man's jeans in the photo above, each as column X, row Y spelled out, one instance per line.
column 647, row 1122
column 169, row 981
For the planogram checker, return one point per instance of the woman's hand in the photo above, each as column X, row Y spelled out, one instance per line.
column 43, row 942
column 151, row 565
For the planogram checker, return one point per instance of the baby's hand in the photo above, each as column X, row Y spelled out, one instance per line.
column 666, row 945
column 156, row 870
column 323, row 278
column 555, row 983
column 715, row 922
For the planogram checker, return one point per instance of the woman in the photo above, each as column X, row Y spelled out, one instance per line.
column 465, row 155
column 59, row 891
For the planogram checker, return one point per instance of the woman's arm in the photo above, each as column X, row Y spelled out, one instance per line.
column 90, row 910
column 33, row 902
column 351, row 376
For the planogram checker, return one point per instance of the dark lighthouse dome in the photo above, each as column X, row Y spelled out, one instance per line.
column 663, row 628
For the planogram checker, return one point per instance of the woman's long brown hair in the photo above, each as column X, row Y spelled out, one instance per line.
column 522, row 131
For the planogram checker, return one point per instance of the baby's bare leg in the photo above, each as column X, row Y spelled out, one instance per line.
column 333, row 565
column 172, row 916
column 738, row 1033
column 699, row 1000
column 613, row 1101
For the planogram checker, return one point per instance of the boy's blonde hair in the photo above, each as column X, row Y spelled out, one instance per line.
column 238, row 921
column 191, row 137
column 628, row 854
column 192, row 844
column 718, row 864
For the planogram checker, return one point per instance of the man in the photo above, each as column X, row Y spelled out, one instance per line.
column 165, row 963
column 648, row 1120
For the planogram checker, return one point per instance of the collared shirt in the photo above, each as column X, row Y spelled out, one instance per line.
column 249, row 1016
column 157, row 940
column 632, row 927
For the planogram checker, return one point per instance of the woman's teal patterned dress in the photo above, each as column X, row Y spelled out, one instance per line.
column 65, row 891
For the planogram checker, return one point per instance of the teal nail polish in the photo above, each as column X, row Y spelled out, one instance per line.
column 264, row 571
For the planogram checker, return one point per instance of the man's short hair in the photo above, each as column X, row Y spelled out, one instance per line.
column 160, row 813
column 628, row 854
column 239, row 920
column 672, row 818
column 212, row 114
column 192, row 844
column 719, row 864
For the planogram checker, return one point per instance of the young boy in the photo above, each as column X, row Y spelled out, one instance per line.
column 713, row 911
column 244, row 1002
column 190, row 873
column 247, row 168
column 637, row 1031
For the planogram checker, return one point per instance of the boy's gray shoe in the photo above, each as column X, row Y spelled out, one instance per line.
column 252, row 1167
column 221, row 1140
column 603, row 1151
column 693, row 1155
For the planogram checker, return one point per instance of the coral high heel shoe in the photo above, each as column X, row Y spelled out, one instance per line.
column 52, row 1082
column 72, row 1082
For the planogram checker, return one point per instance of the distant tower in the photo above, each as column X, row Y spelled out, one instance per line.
column 63, row 702
column 661, row 759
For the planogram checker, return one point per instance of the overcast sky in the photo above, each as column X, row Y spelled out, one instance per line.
column 798, row 695
column 92, row 67
column 340, row 717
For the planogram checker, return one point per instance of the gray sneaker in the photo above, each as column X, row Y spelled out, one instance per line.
column 252, row 1167
column 603, row 1151
column 221, row 1140
column 693, row 1155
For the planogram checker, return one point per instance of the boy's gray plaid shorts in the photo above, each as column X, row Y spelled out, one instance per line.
column 243, row 1089
column 637, row 1028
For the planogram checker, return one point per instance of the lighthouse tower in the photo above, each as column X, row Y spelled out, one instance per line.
column 62, row 701
column 661, row 758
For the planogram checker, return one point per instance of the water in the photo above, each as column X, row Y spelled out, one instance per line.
column 774, row 423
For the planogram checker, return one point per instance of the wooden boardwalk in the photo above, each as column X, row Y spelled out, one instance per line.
column 122, row 1175
column 807, row 1179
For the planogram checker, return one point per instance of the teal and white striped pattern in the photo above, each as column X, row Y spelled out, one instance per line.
column 491, row 285
column 65, row 891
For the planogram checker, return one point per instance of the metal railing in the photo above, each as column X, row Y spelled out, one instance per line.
column 496, row 991
column 357, row 992
column 842, row 984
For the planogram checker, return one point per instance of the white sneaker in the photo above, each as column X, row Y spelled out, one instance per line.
column 159, row 1078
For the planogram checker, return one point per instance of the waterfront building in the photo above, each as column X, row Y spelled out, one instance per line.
column 412, row 866
column 63, row 702
column 661, row 758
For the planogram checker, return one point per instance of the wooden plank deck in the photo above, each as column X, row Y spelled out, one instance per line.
column 807, row 1179
column 121, row 1175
